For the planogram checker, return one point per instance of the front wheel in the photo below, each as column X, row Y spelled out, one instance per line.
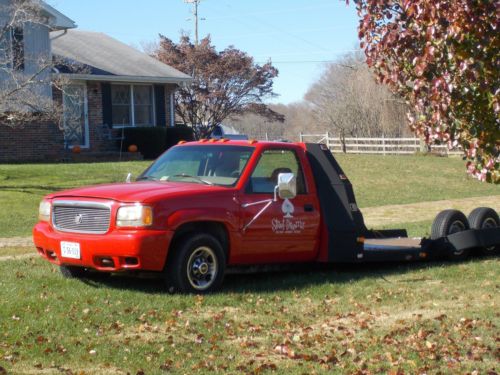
column 197, row 266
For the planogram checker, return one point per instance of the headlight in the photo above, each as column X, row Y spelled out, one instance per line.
column 44, row 210
column 134, row 216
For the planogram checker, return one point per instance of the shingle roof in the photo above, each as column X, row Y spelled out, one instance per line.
column 105, row 56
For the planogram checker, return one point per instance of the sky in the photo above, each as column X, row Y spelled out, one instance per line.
column 298, row 36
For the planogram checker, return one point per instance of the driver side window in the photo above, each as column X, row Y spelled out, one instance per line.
column 273, row 162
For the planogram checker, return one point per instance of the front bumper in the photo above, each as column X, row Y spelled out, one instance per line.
column 116, row 251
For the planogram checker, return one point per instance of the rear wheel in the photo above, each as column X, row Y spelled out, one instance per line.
column 448, row 222
column 197, row 266
column 483, row 218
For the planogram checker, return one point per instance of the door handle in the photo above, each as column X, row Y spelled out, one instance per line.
column 308, row 208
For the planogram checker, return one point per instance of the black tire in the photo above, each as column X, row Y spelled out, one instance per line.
column 448, row 222
column 73, row 272
column 196, row 266
column 481, row 218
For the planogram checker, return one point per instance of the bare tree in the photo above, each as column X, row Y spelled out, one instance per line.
column 297, row 118
column 26, row 82
column 349, row 102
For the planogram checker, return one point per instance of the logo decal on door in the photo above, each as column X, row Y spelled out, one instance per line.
column 287, row 224
column 287, row 208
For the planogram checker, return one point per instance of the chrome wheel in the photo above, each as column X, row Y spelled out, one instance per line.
column 202, row 268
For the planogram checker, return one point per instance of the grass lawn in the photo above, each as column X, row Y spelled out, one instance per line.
column 364, row 319
column 419, row 318
column 377, row 180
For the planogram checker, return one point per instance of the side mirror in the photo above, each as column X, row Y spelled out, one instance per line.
column 287, row 186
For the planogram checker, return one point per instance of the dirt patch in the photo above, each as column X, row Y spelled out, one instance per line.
column 16, row 257
column 422, row 211
column 16, row 242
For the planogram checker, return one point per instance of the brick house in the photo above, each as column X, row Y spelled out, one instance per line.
column 114, row 87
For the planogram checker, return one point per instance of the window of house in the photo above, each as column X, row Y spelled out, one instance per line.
column 271, row 163
column 17, row 37
column 132, row 105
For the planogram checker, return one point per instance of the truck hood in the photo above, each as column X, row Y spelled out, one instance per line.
column 144, row 191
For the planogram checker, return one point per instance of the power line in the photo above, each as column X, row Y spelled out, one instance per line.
column 333, row 62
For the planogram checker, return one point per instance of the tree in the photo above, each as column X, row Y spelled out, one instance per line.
column 224, row 83
column 442, row 57
column 348, row 101
column 25, row 78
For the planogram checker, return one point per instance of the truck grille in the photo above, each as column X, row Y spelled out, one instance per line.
column 81, row 217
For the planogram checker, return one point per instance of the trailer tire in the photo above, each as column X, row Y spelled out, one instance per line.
column 197, row 265
column 448, row 222
column 481, row 218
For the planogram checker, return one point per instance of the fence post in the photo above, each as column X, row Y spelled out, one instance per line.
column 328, row 140
column 300, row 137
column 383, row 144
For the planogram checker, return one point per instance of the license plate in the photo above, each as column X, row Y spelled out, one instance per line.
column 70, row 250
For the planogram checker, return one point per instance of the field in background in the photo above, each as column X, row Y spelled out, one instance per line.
column 377, row 180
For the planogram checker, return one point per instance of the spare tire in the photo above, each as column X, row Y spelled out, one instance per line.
column 482, row 218
column 448, row 222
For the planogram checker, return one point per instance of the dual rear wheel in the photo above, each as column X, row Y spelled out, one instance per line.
column 452, row 221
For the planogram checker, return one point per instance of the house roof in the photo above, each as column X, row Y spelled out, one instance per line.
column 59, row 21
column 111, row 60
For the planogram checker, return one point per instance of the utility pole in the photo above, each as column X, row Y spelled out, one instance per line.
column 195, row 16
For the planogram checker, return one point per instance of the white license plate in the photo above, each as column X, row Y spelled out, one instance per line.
column 70, row 250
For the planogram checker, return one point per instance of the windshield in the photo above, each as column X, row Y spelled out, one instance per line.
column 210, row 165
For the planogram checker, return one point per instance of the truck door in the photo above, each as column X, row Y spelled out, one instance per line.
column 287, row 231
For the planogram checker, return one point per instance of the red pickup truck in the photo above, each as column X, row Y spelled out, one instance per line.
column 204, row 206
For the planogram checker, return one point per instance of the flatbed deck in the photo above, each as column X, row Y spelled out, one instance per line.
column 392, row 243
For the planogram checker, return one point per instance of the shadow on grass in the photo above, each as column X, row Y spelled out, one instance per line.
column 294, row 278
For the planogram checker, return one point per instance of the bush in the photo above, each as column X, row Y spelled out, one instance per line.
column 151, row 141
column 179, row 133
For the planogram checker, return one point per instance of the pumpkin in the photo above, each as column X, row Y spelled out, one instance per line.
column 77, row 149
column 132, row 148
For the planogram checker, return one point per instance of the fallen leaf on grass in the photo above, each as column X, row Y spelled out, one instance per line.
column 284, row 350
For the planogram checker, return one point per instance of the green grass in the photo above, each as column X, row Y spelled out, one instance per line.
column 415, row 318
column 377, row 181
column 418, row 318
column 22, row 186
column 383, row 180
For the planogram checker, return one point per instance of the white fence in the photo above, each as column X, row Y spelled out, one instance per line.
column 383, row 146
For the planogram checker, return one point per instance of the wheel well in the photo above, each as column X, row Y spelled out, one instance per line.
column 216, row 229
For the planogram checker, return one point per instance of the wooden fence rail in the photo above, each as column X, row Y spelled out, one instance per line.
column 383, row 145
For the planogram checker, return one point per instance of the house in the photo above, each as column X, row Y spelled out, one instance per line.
column 106, row 87
column 114, row 86
column 25, row 45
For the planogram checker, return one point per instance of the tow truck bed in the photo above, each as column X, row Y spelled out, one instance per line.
column 349, row 240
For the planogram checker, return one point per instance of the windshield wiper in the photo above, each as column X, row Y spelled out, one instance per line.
column 151, row 178
column 193, row 177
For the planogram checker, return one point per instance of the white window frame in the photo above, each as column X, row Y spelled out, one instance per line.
column 132, row 105
column 85, row 114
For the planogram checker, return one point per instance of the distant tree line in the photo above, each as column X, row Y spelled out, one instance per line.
column 345, row 101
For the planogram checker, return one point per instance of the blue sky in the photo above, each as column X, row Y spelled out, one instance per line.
column 297, row 35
